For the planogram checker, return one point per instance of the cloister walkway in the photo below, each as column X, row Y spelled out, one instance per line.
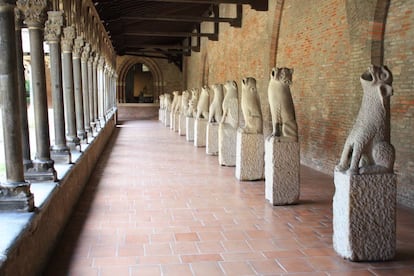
column 157, row 205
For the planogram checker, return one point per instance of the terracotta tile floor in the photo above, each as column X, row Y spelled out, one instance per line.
column 156, row 205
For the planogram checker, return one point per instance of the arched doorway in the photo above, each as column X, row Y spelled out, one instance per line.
column 139, row 84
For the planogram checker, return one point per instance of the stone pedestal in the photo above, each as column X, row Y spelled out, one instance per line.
column 249, row 156
column 282, row 166
column 176, row 125
column 227, row 139
column 200, row 128
column 364, row 216
column 182, row 125
column 161, row 115
column 212, row 138
column 167, row 118
column 189, row 129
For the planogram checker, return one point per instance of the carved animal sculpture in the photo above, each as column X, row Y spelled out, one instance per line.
column 203, row 103
column 185, row 96
column 167, row 101
column 216, row 107
column 192, row 104
column 281, row 104
column 366, row 149
column 174, row 101
column 231, row 104
column 250, row 105
column 177, row 108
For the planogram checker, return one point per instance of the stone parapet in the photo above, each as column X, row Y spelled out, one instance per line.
column 364, row 216
column 282, row 167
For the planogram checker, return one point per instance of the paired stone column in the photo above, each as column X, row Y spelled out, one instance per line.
column 90, row 91
column 15, row 193
column 53, row 30
column 43, row 166
column 85, row 87
column 21, row 83
column 95, row 91
column 77, row 80
column 101, row 90
column 69, row 97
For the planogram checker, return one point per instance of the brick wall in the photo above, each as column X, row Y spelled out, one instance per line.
column 329, row 44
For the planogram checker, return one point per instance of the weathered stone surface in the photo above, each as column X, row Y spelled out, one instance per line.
column 189, row 131
column 161, row 115
column 364, row 216
column 227, row 141
column 212, row 138
column 167, row 118
column 176, row 124
column 200, row 128
column 249, row 156
column 282, row 171
column 182, row 125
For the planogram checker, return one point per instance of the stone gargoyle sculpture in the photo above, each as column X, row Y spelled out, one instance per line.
column 185, row 96
column 216, row 107
column 282, row 109
column 161, row 98
column 167, row 102
column 250, row 105
column 203, row 103
column 175, row 101
column 366, row 149
column 231, row 104
column 192, row 103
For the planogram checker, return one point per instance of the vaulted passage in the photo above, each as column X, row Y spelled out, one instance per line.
column 157, row 205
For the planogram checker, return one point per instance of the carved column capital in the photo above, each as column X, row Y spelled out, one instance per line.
column 101, row 62
column 18, row 18
column 96, row 59
column 68, row 37
column 78, row 47
column 86, row 52
column 53, row 26
column 34, row 12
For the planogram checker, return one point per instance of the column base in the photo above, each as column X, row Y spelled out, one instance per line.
column 27, row 164
column 189, row 129
column 249, row 156
column 72, row 141
column 41, row 171
column 61, row 155
column 82, row 135
column 16, row 197
column 182, row 125
column 364, row 216
column 200, row 128
column 227, row 140
column 212, row 138
column 282, row 166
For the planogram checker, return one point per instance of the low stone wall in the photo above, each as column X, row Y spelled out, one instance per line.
column 30, row 252
column 137, row 111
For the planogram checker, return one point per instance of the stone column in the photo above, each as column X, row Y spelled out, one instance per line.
column 101, row 90
column 85, row 87
column 27, row 160
column 15, row 193
column 77, row 81
column 69, row 97
column 53, row 30
column 90, row 91
column 95, row 91
column 43, row 166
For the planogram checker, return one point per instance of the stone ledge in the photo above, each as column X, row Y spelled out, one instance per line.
column 33, row 233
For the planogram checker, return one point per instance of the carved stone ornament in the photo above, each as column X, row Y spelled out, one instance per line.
column 18, row 18
column 53, row 26
column 77, row 47
column 86, row 51
column 366, row 149
column 68, row 37
column 34, row 12
column 101, row 62
column 250, row 106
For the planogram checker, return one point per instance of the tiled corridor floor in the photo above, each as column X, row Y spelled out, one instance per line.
column 156, row 205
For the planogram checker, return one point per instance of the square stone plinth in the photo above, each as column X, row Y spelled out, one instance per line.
column 364, row 216
column 212, row 138
column 200, row 128
column 227, row 145
column 282, row 166
column 181, row 125
column 172, row 120
column 167, row 118
column 189, row 129
column 176, row 125
column 249, row 156
column 161, row 115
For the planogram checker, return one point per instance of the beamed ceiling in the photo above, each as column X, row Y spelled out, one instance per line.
column 166, row 29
